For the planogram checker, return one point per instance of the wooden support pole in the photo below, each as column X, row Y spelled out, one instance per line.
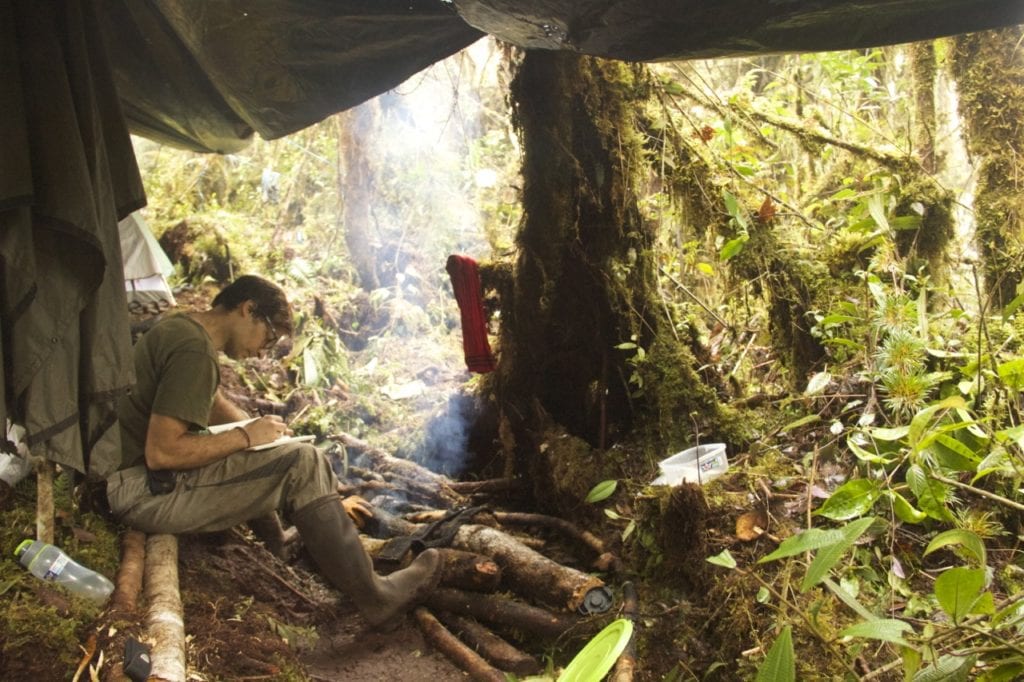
column 448, row 644
column 45, row 470
column 164, row 621
column 128, row 581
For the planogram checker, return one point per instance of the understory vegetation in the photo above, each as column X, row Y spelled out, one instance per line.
column 815, row 244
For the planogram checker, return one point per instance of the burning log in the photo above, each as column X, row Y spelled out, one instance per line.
column 467, row 659
column 626, row 665
column 502, row 611
column 383, row 462
column 527, row 571
column 489, row 645
column 469, row 571
column 164, row 620
column 604, row 561
column 128, row 581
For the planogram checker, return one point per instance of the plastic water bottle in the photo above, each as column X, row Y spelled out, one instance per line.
column 45, row 561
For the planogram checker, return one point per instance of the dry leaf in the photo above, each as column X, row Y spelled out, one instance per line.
column 751, row 525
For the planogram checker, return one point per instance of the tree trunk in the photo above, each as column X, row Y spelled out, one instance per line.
column 585, row 340
column 989, row 71
column 355, row 138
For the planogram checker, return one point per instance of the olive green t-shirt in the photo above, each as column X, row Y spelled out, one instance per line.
column 177, row 375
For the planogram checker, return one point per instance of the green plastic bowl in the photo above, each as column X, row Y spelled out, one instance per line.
column 594, row 660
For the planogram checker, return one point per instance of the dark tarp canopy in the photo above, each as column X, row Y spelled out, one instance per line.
column 205, row 75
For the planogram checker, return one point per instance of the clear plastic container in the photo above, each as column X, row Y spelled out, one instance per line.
column 700, row 464
column 50, row 563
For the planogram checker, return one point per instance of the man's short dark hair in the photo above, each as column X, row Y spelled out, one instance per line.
column 269, row 299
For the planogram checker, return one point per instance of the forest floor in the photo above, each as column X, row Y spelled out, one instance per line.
column 251, row 616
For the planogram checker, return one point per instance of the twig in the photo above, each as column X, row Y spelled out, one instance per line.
column 696, row 300
column 459, row 653
column 978, row 491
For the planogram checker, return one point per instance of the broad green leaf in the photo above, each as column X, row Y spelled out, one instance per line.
column 970, row 541
column 958, row 590
column 809, row 419
column 877, row 211
column 1012, row 306
column 732, row 247
column 602, row 491
column 949, row 668
column 780, row 664
column 865, row 455
column 810, row 539
column 723, row 558
column 733, row 207
column 953, row 454
column 905, row 511
column 1005, row 672
column 885, row 629
column 889, row 434
column 931, row 494
column 827, row 557
column 920, row 422
column 706, row 268
column 853, row 498
column 1014, row 434
column 818, row 383
column 1012, row 373
column 837, row 318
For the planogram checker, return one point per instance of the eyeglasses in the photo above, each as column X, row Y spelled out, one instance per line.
column 272, row 336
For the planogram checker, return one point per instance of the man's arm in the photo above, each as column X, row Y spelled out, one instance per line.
column 224, row 411
column 170, row 445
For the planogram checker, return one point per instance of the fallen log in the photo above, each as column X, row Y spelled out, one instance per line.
column 164, row 622
column 384, row 462
column 489, row 645
column 502, row 611
column 128, row 581
column 459, row 653
column 527, row 571
column 469, row 571
column 625, row 667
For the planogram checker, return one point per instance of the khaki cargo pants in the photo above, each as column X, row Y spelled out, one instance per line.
column 242, row 486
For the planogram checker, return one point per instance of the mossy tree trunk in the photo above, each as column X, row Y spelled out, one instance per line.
column 989, row 69
column 355, row 140
column 585, row 279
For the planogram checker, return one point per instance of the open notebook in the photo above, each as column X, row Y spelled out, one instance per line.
column 220, row 428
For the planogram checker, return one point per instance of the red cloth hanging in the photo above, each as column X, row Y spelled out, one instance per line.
column 465, row 276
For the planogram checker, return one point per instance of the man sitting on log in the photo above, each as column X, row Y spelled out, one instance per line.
column 174, row 478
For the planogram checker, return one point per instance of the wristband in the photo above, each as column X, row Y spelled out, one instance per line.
column 248, row 441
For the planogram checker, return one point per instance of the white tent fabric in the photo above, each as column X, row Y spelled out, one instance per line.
column 146, row 267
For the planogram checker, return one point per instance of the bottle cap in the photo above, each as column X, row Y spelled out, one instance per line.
column 22, row 548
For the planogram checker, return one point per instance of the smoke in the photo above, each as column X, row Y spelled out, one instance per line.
column 445, row 446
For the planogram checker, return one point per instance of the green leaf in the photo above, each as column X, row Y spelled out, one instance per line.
column 949, row 668
column 931, row 494
column 809, row 419
column 1012, row 373
column 732, row 247
column 837, row 318
column 953, row 454
column 853, row 498
column 827, row 557
column 885, row 629
column 958, row 590
column 920, row 422
column 865, row 455
column 780, row 664
column 723, row 558
column 889, row 434
column 877, row 211
column 810, row 539
column 602, row 491
column 733, row 208
column 905, row 511
column 970, row 541
column 905, row 222
column 705, row 268
column 1012, row 306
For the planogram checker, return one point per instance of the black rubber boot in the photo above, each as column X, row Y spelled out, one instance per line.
column 333, row 541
